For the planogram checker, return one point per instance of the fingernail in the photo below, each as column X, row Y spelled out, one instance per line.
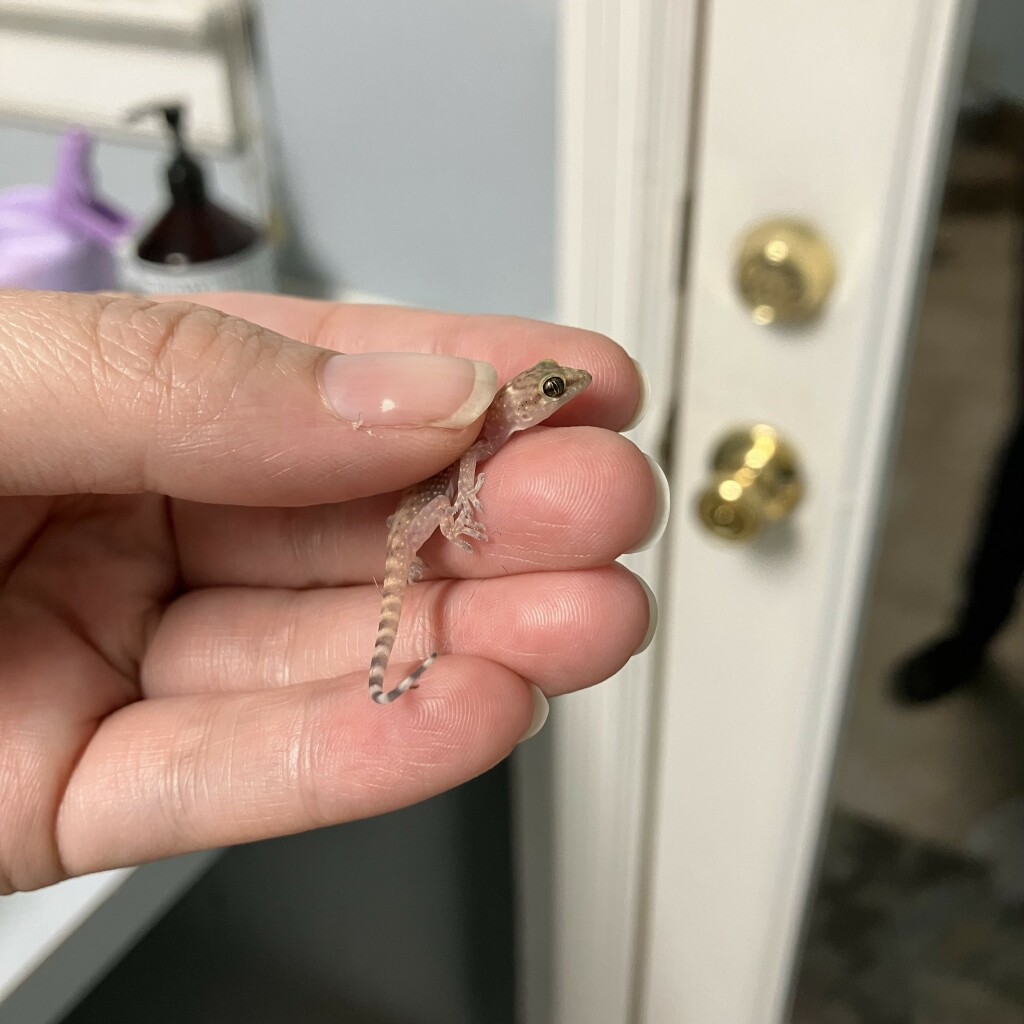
column 540, row 713
column 644, row 403
column 652, row 621
column 662, row 507
column 404, row 389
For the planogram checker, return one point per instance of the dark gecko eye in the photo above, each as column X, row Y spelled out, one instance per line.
column 553, row 387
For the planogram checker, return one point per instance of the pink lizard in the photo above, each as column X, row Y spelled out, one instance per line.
column 449, row 500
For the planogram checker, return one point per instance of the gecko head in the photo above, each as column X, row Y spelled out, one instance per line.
column 536, row 393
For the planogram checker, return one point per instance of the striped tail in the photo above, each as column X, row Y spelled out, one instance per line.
column 390, row 613
column 408, row 683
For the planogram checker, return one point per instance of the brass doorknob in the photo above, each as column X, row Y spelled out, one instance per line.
column 784, row 272
column 755, row 479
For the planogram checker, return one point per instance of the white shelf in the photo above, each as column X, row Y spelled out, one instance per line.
column 55, row 943
column 88, row 62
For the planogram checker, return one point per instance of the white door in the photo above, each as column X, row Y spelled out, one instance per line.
column 836, row 115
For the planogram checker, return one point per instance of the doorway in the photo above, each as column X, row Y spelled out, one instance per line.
column 918, row 913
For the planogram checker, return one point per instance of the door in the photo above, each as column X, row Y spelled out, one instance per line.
column 821, row 130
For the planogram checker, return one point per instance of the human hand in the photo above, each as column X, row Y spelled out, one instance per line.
column 189, row 537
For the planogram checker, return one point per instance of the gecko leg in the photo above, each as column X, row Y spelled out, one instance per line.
column 453, row 531
column 466, row 501
column 471, row 527
column 460, row 524
column 464, row 507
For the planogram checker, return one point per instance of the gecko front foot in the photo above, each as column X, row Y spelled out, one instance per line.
column 468, row 524
column 458, row 526
column 466, row 501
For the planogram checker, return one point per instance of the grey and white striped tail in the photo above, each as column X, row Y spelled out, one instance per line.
column 408, row 683
column 387, row 630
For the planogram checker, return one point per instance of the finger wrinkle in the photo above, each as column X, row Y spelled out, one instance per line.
column 305, row 537
column 193, row 353
column 184, row 784
column 184, row 347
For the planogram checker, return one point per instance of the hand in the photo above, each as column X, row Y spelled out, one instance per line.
column 190, row 530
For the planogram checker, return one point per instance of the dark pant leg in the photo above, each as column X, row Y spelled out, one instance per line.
column 997, row 563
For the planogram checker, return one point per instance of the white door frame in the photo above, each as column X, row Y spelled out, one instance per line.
column 625, row 75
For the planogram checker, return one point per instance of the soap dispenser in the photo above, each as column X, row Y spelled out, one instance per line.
column 195, row 245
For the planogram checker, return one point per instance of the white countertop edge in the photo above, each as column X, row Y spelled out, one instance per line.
column 34, row 924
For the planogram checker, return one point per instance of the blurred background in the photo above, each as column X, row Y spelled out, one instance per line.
column 919, row 913
column 384, row 175
column 406, row 152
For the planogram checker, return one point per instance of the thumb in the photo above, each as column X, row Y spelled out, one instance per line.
column 109, row 394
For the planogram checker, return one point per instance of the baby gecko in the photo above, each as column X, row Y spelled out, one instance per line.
column 449, row 500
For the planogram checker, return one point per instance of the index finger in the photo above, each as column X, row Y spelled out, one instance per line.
column 614, row 399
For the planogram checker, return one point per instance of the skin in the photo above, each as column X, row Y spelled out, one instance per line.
column 189, row 542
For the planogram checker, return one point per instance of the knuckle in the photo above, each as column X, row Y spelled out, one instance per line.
column 307, row 533
column 184, row 783
column 129, row 350
column 181, row 361
column 318, row 762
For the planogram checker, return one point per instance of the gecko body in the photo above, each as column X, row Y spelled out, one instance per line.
column 449, row 500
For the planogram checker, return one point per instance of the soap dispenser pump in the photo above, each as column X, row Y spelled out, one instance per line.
column 195, row 245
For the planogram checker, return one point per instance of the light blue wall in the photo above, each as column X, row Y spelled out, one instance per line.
column 416, row 147
column 418, row 141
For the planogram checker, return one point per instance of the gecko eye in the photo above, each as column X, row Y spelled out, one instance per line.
column 553, row 387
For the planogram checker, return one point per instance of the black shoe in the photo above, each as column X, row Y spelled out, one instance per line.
column 936, row 670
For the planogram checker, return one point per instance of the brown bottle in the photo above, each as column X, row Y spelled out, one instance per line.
column 196, row 245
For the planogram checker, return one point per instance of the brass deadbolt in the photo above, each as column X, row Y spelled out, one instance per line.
column 784, row 272
column 755, row 479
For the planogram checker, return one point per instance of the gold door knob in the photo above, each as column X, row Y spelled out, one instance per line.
column 755, row 479
column 784, row 272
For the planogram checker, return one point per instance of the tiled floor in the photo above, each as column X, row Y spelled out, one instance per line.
column 919, row 917
column 906, row 932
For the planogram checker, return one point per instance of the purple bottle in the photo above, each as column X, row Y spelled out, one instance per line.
column 61, row 237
